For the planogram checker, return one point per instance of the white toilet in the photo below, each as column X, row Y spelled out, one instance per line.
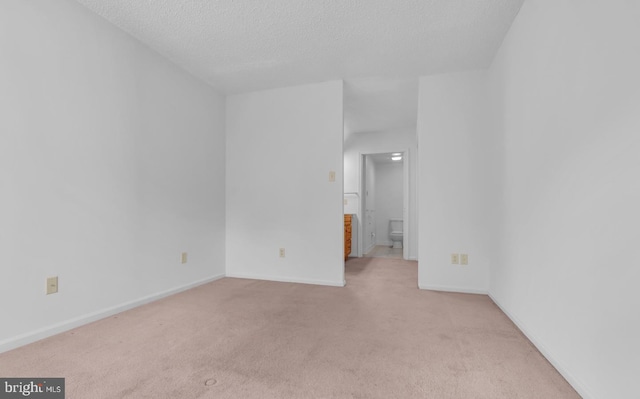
column 395, row 232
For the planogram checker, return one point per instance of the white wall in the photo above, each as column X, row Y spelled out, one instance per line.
column 458, row 182
column 381, row 142
column 281, row 145
column 388, row 198
column 112, row 164
column 567, row 87
column 370, row 215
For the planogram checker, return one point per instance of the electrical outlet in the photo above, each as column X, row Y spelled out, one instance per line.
column 464, row 259
column 454, row 259
column 282, row 252
column 52, row 285
column 183, row 257
column 332, row 176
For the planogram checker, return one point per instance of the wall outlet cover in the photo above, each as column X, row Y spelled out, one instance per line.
column 464, row 259
column 183, row 257
column 455, row 259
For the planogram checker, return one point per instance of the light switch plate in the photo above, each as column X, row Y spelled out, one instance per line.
column 464, row 259
column 52, row 285
column 332, row 176
column 183, row 257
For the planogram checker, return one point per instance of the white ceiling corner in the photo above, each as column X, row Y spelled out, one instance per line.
column 385, row 158
column 245, row 45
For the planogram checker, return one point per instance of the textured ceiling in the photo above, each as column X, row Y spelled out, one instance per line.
column 246, row 45
column 379, row 47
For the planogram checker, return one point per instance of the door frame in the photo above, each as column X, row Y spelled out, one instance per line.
column 406, row 213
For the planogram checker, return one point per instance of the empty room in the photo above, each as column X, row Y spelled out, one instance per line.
column 319, row 199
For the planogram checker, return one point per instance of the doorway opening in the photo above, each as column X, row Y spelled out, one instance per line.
column 384, row 205
column 380, row 116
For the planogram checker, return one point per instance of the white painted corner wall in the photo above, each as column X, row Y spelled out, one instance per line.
column 369, row 216
column 281, row 145
column 566, row 88
column 112, row 163
column 458, row 182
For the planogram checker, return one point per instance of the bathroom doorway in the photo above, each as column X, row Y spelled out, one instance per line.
column 384, row 179
column 380, row 116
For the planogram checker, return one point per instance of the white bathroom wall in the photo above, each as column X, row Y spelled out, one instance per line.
column 459, row 182
column 388, row 198
column 112, row 164
column 370, row 214
column 380, row 142
column 281, row 146
column 567, row 91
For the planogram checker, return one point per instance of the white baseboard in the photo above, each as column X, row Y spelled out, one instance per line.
column 67, row 325
column 287, row 279
column 575, row 383
column 461, row 290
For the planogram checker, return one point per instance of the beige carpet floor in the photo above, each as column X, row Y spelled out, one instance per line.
column 378, row 337
column 384, row 251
